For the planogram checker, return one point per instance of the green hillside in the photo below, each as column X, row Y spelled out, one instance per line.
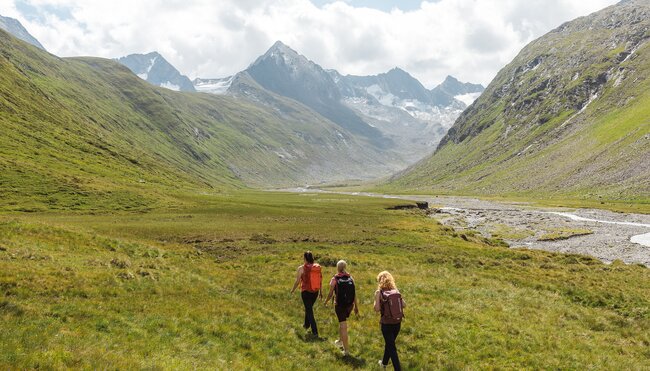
column 86, row 133
column 568, row 117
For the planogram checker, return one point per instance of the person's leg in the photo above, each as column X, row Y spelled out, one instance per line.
column 305, row 301
column 395, row 357
column 343, row 335
column 389, row 348
column 313, row 296
column 387, row 341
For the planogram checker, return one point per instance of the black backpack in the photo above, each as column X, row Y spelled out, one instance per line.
column 345, row 291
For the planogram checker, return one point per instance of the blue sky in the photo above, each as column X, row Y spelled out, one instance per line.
column 385, row 5
column 34, row 13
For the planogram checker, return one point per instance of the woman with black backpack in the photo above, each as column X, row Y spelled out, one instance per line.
column 389, row 302
column 342, row 292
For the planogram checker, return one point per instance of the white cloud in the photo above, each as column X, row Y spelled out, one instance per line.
column 469, row 39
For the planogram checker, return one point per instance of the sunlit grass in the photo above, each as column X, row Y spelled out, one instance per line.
column 207, row 286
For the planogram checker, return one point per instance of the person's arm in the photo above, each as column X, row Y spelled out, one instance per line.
column 330, row 294
column 320, row 292
column 377, row 301
column 356, row 306
column 298, row 278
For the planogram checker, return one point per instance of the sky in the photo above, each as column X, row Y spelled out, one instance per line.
column 468, row 39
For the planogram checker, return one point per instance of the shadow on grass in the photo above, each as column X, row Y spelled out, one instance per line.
column 310, row 338
column 354, row 362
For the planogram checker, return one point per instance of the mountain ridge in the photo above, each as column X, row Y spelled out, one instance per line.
column 283, row 71
column 567, row 117
column 155, row 69
column 393, row 109
column 14, row 27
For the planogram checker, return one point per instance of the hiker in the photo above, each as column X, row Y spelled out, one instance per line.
column 389, row 302
column 342, row 284
column 310, row 278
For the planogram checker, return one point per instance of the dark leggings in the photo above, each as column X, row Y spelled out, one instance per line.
column 309, row 298
column 390, row 333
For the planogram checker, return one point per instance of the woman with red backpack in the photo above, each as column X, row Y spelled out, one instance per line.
column 389, row 302
column 342, row 293
column 309, row 277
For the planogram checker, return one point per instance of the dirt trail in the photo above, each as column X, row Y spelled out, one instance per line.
column 602, row 234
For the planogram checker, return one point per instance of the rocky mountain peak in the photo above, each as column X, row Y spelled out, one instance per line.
column 155, row 69
column 453, row 86
column 396, row 71
column 281, row 54
column 14, row 27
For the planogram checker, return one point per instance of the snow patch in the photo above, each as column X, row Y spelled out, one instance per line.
column 145, row 75
column 385, row 98
column 642, row 239
column 213, row 86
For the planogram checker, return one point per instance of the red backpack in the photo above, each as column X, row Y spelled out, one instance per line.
column 392, row 307
column 311, row 277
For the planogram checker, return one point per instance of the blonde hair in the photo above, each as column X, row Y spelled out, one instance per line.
column 386, row 281
column 341, row 265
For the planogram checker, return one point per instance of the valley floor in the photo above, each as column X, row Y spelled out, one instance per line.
column 603, row 234
column 205, row 285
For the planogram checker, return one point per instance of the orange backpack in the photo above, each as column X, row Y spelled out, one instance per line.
column 311, row 277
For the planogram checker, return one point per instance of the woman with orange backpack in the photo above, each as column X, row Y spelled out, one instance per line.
column 309, row 277
column 389, row 302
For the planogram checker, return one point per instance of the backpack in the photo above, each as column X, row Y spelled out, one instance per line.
column 392, row 307
column 345, row 291
column 312, row 277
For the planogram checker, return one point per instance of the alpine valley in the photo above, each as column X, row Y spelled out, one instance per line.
column 152, row 219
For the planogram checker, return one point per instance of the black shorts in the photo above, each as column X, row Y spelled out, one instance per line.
column 342, row 313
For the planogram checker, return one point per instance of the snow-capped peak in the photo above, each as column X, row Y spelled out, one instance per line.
column 155, row 69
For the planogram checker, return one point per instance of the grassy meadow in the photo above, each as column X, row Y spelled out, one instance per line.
column 205, row 284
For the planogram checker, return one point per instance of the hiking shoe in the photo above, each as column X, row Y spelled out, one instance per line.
column 382, row 365
column 339, row 344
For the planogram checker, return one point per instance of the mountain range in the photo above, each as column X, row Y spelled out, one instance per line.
column 569, row 116
column 393, row 111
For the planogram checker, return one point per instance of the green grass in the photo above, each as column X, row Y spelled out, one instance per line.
column 507, row 232
column 558, row 234
column 206, row 285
